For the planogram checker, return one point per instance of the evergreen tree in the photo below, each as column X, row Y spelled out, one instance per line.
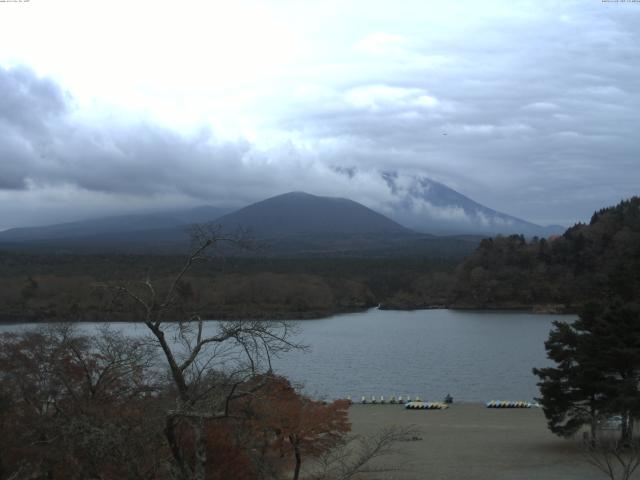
column 614, row 328
column 598, row 369
column 571, row 392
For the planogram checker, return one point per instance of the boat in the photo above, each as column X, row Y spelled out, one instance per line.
column 419, row 405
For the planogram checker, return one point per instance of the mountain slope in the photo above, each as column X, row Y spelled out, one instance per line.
column 429, row 206
column 292, row 224
column 295, row 224
column 122, row 225
column 298, row 213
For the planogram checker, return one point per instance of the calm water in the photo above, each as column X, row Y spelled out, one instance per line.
column 474, row 356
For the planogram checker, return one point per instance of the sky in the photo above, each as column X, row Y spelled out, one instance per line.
column 531, row 108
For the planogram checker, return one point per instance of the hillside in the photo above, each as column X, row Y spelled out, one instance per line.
column 294, row 224
column 298, row 213
column 114, row 226
column 566, row 271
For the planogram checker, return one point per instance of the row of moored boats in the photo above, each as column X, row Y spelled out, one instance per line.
column 418, row 404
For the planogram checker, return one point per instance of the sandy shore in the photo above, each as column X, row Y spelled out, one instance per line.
column 469, row 441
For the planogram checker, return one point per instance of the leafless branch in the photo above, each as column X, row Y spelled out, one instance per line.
column 360, row 455
column 615, row 459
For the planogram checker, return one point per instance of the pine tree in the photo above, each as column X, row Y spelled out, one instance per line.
column 571, row 392
column 598, row 369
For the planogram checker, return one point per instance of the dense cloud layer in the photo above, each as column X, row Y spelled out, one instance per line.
column 536, row 115
column 50, row 154
column 530, row 110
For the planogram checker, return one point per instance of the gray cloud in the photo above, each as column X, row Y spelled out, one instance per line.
column 535, row 115
column 27, row 105
column 27, row 101
column 43, row 144
column 57, row 166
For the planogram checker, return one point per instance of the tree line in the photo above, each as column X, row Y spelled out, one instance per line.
column 566, row 271
column 64, row 288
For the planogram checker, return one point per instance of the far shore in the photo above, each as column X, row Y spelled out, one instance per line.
column 470, row 441
column 303, row 315
column 545, row 309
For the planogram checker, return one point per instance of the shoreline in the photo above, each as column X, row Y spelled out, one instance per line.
column 311, row 315
column 550, row 309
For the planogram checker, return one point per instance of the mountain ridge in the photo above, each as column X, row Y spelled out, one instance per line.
column 115, row 223
column 426, row 205
column 293, row 221
column 291, row 224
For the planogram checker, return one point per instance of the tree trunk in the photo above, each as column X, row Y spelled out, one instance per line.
column 594, row 423
column 627, row 428
column 296, row 451
column 170, row 433
column 594, row 430
column 176, row 373
column 199, row 470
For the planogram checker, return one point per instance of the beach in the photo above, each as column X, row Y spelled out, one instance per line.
column 470, row 441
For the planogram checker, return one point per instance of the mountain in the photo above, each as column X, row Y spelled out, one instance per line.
column 420, row 205
column 303, row 225
column 292, row 224
column 286, row 215
column 122, row 225
column 298, row 213
column 429, row 206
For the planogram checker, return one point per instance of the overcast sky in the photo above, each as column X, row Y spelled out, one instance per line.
column 528, row 107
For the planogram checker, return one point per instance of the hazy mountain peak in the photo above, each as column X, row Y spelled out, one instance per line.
column 430, row 206
column 297, row 195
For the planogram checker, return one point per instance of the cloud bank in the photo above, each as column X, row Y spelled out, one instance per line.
column 530, row 109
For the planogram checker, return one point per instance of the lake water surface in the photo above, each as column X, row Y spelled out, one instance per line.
column 473, row 355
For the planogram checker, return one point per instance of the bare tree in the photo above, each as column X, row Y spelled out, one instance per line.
column 209, row 363
column 616, row 459
column 360, row 456
column 75, row 406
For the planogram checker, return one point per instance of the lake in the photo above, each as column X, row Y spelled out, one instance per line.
column 473, row 355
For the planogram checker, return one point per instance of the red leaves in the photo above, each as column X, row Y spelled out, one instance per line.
column 290, row 422
column 66, row 411
column 77, row 407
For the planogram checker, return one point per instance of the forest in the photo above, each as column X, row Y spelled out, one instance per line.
column 555, row 274
column 71, row 287
column 562, row 272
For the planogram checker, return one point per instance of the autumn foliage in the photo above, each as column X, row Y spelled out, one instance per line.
column 74, row 407
column 295, row 426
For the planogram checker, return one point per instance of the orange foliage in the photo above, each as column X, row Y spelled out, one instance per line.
column 295, row 426
column 226, row 458
column 72, row 409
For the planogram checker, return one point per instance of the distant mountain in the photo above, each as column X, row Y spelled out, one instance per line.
column 292, row 224
column 304, row 225
column 431, row 207
column 115, row 226
column 298, row 213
